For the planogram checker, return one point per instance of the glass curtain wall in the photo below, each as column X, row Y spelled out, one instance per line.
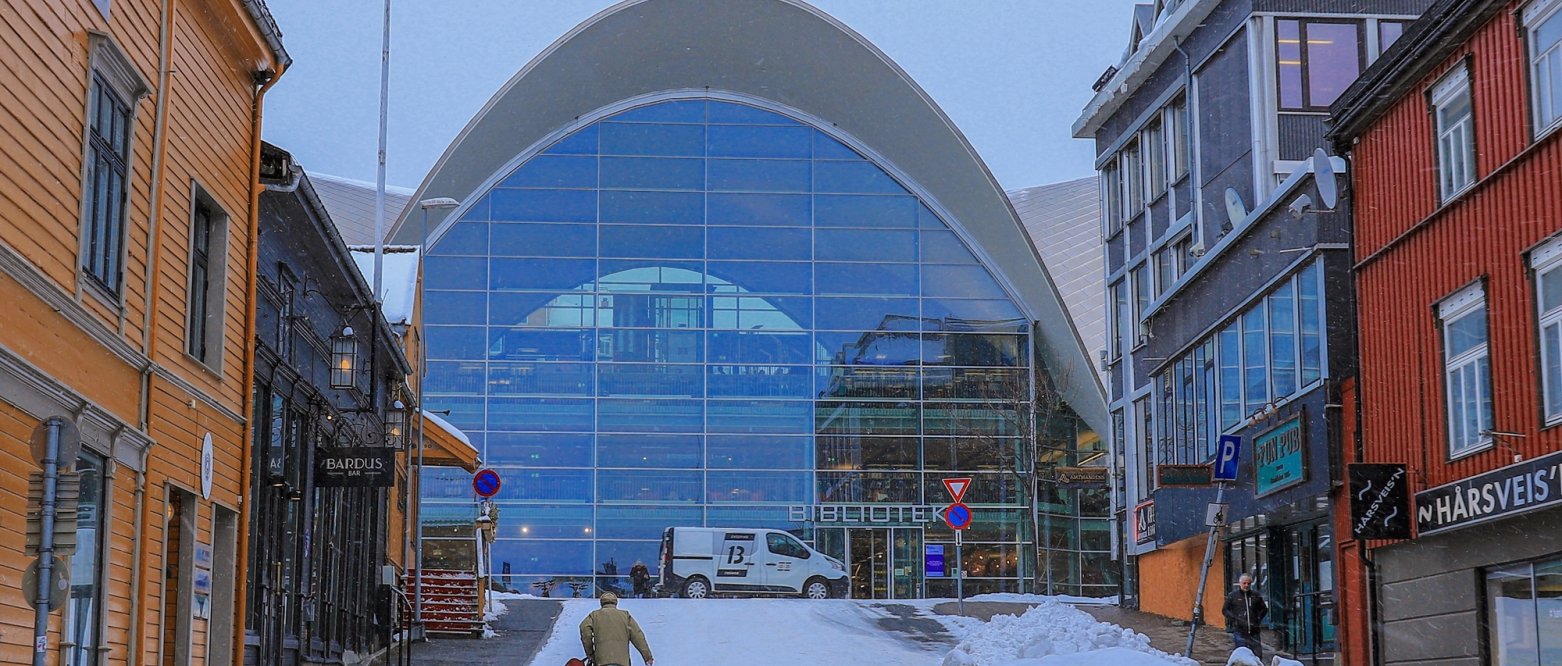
column 699, row 312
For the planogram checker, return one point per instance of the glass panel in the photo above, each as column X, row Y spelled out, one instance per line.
column 539, row 379
column 630, row 275
column 652, row 241
column 758, row 347
column 971, row 314
column 870, row 381
column 1551, row 355
column 653, row 207
column 544, row 521
column 85, row 570
column 568, row 558
column 650, row 379
column 1466, row 332
column 456, row 307
column 643, row 522
column 647, row 486
column 759, row 452
column 1311, row 307
column 751, row 243
column 973, row 349
column 944, row 247
column 582, row 142
column 463, row 238
column 626, row 415
column 869, row 348
column 782, row 313
column 1548, row 602
column 750, row 487
column 455, row 273
column 537, row 310
column 457, row 342
column 523, row 344
column 868, row 487
column 754, row 209
column 1333, row 60
column 543, row 205
column 761, row 277
column 749, row 141
column 867, row 279
column 961, row 281
column 455, row 377
column 539, row 414
column 984, row 384
column 543, row 240
column 541, row 274
column 1550, row 287
column 1282, row 341
column 878, row 418
column 555, row 171
column 679, row 111
column 865, row 211
column 865, row 245
column 971, row 453
column 826, row 148
column 1254, row 355
column 728, row 112
column 759, row 175
column 854, row 177
column 768, row 517
column 539, row 450
column 1388, row 33
column 865, row 314
column 677, row 451
column 652, row 139
column 760, row 381
column 779, row 417
column 559, row 485
column 1511, row 617
column 1288, row 57
column 854, row 451
column 650, row 345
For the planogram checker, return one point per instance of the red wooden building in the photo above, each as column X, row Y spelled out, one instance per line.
column 1456, row 161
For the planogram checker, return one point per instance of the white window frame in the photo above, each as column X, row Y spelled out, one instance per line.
column 1455, row 143
column 1544, row 260
column 1463, row 303
column 1546, row 103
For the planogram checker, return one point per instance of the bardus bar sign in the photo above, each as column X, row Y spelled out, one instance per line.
column 356, row 467
column 1517, row 488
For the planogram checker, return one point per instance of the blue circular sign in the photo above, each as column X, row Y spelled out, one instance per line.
column 486, row 483
column 958, row 516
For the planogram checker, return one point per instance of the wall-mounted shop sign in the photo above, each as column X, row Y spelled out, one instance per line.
column 356, row 467
column 1379, row 501
column 1515, row 489
column 1080, row 477
column 1279, row 458
column 1144, row 522
column 866, row 514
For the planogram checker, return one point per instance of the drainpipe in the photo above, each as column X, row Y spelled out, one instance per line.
column 137, row 576
column 265, row 79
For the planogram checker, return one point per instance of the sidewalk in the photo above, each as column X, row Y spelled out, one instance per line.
column 522, row 629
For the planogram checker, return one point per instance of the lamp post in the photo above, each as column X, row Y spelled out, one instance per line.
column 344, row 359
column 437, row 203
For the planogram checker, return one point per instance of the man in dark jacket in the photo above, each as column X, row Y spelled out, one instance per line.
column 607, row 633
column 640, row 576
column 1245, row 611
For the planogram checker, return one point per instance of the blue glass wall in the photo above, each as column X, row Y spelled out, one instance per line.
column 699, row 312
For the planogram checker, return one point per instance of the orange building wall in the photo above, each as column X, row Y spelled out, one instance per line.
column 1170, row 581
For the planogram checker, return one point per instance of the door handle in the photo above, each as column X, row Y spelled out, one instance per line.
column 770, row 564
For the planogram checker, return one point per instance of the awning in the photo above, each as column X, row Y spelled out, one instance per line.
column 445, row 444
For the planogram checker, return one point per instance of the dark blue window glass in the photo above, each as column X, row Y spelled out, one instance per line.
column 677, row 111
column 455, row 377
column 632, row 522
column 564, row 558
column 544, row 240
column 759, row 347
column 685, row 279
column 653, row 173
column 544, row 205
column 653, row 207
column 973, row 349
column 541, row 378
column 446, row 484
column 558, row 485
column 667, row 451
column 543, row 521
column 629, row 415
column 751, row 141
column 457, row 342
column 850, row 417
column 842, row 210
column 877, row 379
column 749, row 243
column 866, row 314
column 759, row 452
column 540, row 344
column 480, row 211
column 642, row 486
column 542, row 274
column 759, row 175
column 854, row 177
column 467, row 237
column 944, row 247
column 865, row 245
column 778, row 417
column 540, row 309
column 652, row 241
column 962, row 281
column 773, row 313
column 728, row 112
column 971, row 314
column 555, row 171
column 759, row 209
column 645, row 345
column 761, row 277
column 466, row 413
column 867, row 279
column 751, row 487
column 455, row 307
column 539, row 449
column 582, row 142
column 826, row 148
column 650, row 379
column 768, row 517
column 653, row 139
column 455, row 273
column 615, row 558
column 760, row 381
column 539, row 414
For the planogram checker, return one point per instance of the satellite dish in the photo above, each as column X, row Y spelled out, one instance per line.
column 1235, row 209
column 1323, row 175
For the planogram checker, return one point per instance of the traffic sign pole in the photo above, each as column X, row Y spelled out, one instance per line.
column 959, row 573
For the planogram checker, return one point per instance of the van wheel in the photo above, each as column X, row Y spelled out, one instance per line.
column 816, row 588
column 696, row 588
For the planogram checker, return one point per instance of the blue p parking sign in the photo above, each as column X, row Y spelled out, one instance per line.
column 1226, row 457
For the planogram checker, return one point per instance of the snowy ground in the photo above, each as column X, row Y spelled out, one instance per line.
column 793, row 632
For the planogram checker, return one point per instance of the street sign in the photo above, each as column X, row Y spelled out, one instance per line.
column 958, row 516
column 1227, row 456
column 67, row 493
column 1184, row 475
column 1215, row 514
column 59, row 582
column 957, row 487
column 933, row 560
column 486, row 483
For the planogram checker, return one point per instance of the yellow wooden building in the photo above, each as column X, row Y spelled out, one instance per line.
column 129, row 138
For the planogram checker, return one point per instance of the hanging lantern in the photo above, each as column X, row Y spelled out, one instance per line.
column 396, row 425
column 344, row 359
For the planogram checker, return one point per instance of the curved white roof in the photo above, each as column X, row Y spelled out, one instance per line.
column 791, row 55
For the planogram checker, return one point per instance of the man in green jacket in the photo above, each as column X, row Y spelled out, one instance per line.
column 607, row 633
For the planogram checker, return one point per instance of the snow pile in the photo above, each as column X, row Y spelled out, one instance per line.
column 1243, row 657
column 495, row 609
column 1052, row 634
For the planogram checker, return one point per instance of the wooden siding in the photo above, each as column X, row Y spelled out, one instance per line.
column 1414, row 253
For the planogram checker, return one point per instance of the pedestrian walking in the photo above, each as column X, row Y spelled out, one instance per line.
column 640, row 576
column 607, row 633
column 1245, row 610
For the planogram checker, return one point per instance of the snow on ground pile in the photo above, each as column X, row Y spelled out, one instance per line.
column 1053, row 634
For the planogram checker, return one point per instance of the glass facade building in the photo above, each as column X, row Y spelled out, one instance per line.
column 711, row 312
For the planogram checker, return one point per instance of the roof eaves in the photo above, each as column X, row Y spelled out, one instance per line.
column 267, row 25
column 1153, row 50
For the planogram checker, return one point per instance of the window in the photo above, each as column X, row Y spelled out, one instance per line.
column 1119, row 317
column 1155, row 158
column 1316, row 60
column 1142, row 295
column 1177, row 138
column 1390, row 32
column 1133, row 181
column 103, row 201
column 1543, row 22
column 1547, row 264
column 1523, row 622
column 286, row 284
column 1111, row 199
column 782, row 544
column 1255, row 376
column 1282, row 340
column 1467, row 370
column 1454, row 124
column 84, row 607
column 207, row 242
column 1144, row 425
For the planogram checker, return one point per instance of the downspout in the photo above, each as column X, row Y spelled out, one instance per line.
column 148, row 331
column 266, row 79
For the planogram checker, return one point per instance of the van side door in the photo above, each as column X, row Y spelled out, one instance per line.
column 786, row 569
column 738, row 562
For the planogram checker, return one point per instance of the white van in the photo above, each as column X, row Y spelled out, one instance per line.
column 700, row 561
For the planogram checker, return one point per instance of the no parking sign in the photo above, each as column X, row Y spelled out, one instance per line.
column 486, row 483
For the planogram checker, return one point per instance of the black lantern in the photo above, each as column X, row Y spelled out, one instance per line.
column 396, row 425
column 344, row 359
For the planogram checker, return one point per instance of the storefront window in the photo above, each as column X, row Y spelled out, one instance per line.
column 84, row 606
column 1524, row 614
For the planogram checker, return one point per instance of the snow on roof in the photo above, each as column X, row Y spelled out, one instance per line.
column 445, row 426
column 398, row 279
column 351, row 205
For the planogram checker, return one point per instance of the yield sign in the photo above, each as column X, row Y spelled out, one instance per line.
column 957, row 487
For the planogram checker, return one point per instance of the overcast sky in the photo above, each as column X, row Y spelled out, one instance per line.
column 1012, row 74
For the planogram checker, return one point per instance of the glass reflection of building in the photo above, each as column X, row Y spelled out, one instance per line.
column 703, row 312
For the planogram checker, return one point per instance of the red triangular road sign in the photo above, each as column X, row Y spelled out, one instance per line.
column 957, row 487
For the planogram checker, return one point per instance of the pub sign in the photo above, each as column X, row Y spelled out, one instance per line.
column 355, row 467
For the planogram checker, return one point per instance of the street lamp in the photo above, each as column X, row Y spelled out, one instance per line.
column 436, row 203
column 344, row 358
column 396, row 425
